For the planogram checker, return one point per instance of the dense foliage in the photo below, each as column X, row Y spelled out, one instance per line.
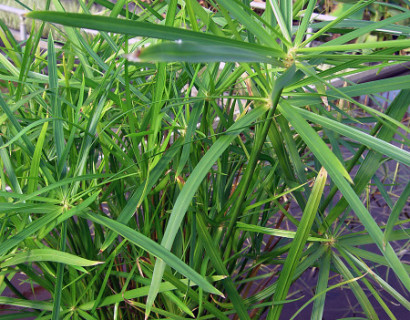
column 205, row 168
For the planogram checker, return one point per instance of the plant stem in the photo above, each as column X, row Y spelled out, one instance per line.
column 259, row 142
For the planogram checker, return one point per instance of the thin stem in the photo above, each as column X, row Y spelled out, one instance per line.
column 259, row 142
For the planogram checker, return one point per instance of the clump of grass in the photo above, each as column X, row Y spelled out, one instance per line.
column 202, row 175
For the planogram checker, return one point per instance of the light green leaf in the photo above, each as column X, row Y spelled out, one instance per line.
column 155, row 249
column 298, row 244
column 358, row 46
column 186, row 51
column 144, row 29
column 318, row 146
column 38, row 255
column 32, row 304
column 276, row 232
column 374, row 143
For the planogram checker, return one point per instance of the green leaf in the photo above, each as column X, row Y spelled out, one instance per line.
column 295, row 251
column 305, row 22
column 144, row 29
column 351, row 23
column 323, row 154
column 188, row 51
column 359, row 5
column 286, row 8
column 32, row 304
column 358, row 46
column 377, row 86
column 38, row 255
column 276, row 232
column 356, row 288
column 283, row 22
column 397, row 209
column 392, row 291
column 376, row 144
column 135, row 200
column 155, row 249
column 237, row 9
column 370, row 165
column 318, row 295
column 322, row 283
column 362, row 238
column 28, row 231
column 139, row 292
column 55, row 100
column 367, row 29
column 215, row 256
column 317, row 145
column 12, row 118
column 367, row 255
column 24, row 131
column 35, row 161
column 8, row 167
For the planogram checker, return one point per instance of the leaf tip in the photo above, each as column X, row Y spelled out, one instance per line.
column 349, row 178
column 30, row 14
column 322, row 173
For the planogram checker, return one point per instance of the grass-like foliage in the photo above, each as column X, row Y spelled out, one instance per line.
column 204, row 168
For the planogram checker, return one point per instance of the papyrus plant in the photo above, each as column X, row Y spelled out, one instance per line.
column 209, row 164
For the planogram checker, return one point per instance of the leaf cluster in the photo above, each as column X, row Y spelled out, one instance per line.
column 192, row 161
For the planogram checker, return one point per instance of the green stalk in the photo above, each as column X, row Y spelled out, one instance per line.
column 279, row 85
column 60, row 275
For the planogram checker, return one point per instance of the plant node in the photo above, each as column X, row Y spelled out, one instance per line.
column 66, row 205
column 331, row 243
column 290, row 58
